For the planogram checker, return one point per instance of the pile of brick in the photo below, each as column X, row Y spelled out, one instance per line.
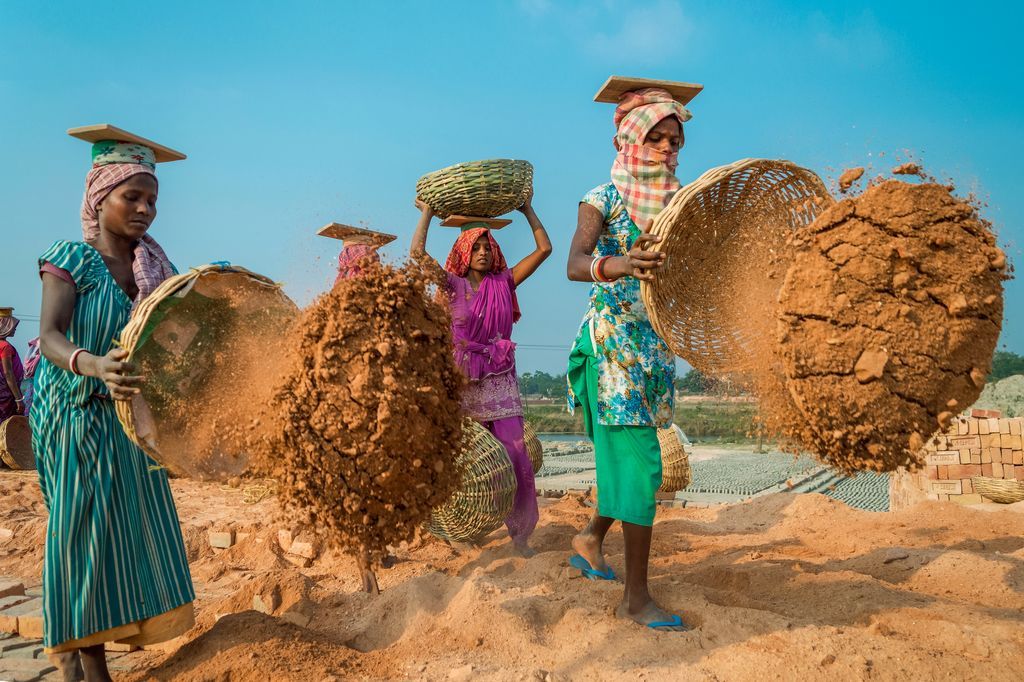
column 982, row 444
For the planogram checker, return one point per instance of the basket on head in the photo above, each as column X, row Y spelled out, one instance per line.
column 487, row 188
column 723, row 235
column 1001, row 490
column 675, row 462
column 484, row 499
column 534, row 447
column 199, row 339
column 16, row 443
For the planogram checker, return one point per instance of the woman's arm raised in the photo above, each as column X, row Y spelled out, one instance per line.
column 528, row 265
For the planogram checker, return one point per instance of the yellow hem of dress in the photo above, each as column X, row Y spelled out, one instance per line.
column 159, row 628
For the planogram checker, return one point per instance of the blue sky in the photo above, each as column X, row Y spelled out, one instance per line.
column 296, row 114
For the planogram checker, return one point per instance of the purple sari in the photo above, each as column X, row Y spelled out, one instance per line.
column 481, row 331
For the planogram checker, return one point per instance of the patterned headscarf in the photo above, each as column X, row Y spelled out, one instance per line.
column 8, row 324
column 354, row 258
column 644, row 177
column 462, row 251
column 113, row 163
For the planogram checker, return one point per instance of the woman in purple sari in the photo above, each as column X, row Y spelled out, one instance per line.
column 481, row 288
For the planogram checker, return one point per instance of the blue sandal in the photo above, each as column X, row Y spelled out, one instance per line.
column 673, row 622
column 588, row 571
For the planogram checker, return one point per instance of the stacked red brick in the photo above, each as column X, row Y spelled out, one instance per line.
column 980, row 445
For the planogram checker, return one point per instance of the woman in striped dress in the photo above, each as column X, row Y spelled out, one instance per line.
column 115, row 567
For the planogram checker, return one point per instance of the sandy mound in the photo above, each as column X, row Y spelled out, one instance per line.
column 785, row 586
column 1005, row 395
column 890, row 313
column 364, row 429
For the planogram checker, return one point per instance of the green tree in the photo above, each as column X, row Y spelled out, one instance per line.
column 1004, row 364
column 695, row 383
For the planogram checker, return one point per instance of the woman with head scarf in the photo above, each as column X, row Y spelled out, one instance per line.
column 12, row 401
column 31, row 362
column 115, row 568
column 481, row 289
column 620, row 371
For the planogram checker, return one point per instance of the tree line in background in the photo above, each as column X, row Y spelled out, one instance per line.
column 1004, row 364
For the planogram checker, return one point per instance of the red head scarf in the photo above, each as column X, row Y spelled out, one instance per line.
column 462, row 251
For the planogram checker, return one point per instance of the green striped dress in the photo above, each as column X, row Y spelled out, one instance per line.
column 114, row 552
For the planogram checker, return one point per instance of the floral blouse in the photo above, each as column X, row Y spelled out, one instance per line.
column 635, row 366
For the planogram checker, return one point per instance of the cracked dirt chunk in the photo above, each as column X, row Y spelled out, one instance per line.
column 850, row 176
column 870, row 365
column 364, row 425
column 934, row 305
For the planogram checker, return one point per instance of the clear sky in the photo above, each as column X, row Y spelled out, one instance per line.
column 296, row 114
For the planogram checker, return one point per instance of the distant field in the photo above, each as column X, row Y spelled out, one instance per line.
column 711, row 421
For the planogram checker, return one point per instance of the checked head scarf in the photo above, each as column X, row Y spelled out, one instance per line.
column 113, row 163
column 644, row 177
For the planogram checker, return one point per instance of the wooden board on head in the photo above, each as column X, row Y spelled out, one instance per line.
column 467, row 222
column 104, row 131
column 350, row 234
column 617, row 86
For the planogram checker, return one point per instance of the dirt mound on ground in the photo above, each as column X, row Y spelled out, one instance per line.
column 890, row 313
column 364, row 428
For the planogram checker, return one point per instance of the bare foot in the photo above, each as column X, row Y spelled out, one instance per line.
column 524, row 550
column 589, row 547
column 647, row 614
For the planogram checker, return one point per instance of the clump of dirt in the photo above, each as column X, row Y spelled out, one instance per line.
column 850, row 176
column 888, row 318
column 908, row 168
column 364, row 428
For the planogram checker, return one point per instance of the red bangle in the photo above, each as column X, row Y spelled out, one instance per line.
column 599, row 269
column 73, row 362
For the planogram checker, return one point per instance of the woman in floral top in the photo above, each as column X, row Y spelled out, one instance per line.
column 620, row 371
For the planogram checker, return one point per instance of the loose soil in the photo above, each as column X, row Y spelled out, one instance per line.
column 363, row 429
column 889, row 315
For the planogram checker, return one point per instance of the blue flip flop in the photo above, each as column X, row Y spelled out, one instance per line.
column 673, row 622
column 588, row 571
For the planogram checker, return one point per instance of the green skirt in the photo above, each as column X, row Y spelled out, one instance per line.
column 628, row 457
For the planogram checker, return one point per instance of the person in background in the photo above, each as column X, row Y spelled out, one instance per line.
column 12, row 401
column 481, row 290
column 27, row 382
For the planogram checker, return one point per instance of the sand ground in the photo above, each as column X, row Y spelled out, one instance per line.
column 783, row 587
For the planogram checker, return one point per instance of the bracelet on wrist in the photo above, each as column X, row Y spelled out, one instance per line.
column 601, row 276
column 73, row 362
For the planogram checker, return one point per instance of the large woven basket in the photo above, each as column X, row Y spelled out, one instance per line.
column 1002, row 490
column 675, row 462
column 179, row 337
column 724, row 235
column 533, row 447
column 484, row 500
column 486, row 189
column 16, row 443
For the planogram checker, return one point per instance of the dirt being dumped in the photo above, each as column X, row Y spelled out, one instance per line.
column 889, row 315
column 364, row 428
column 850, row 176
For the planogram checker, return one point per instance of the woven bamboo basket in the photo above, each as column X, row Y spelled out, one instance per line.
column 174, row 337
column 486, row 189
column 533, row 447
column 16, row 443
column 484, row 500
column 1002, row 490
column 723, row 235
column 675, row 461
